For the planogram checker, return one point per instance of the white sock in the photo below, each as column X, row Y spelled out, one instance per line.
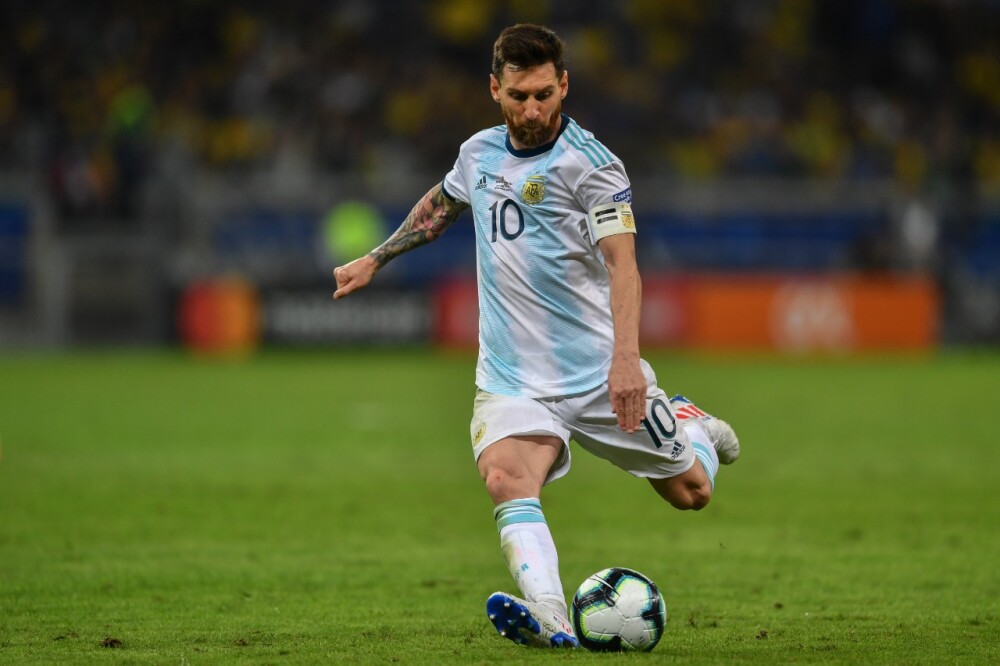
column 530, row 552
column 704, row 450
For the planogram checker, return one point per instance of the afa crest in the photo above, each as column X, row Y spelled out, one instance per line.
column 626, row 216
column 533, row 191
column 478, row 436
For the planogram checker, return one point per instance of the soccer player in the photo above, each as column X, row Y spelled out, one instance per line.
column 559, row 298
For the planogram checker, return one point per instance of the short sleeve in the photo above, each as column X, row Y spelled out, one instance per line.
column 454, row 186
column 609, row 184
column 606, row 195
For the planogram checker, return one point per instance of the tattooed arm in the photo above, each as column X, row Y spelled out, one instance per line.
column 426, row 222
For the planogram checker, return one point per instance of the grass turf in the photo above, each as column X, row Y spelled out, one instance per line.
column 324, row 507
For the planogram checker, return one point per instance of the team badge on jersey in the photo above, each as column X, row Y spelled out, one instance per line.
column 533, row 191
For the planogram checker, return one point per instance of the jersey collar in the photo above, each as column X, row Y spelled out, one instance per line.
column 544, row 148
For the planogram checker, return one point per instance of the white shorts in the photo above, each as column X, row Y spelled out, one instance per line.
column 659, row 449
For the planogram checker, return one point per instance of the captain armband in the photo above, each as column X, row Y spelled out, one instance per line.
column 610, row 219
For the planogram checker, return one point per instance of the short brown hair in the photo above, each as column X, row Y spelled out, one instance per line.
column 527, row 45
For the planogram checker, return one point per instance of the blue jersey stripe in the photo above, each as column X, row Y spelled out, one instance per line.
column 604, row 151
column 548, row 278
column 601, row 157
column 497, row 349
column 575, row 141
column 596, row 145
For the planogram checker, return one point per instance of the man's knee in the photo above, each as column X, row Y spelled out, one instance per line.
column 503, row 483
column 517, row 466
column 695, row 499
column 686, row 495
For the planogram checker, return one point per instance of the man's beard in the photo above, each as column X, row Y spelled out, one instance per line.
column 532, row 133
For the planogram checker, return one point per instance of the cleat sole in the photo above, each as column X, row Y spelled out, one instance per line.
column 515, row 623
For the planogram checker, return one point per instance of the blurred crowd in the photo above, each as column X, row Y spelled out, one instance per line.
column 100, row 95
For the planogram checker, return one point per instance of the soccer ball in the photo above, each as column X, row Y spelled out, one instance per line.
column 618, row 609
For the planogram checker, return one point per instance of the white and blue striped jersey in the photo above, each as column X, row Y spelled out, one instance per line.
column 545, row 326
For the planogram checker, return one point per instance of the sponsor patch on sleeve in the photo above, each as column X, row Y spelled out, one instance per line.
column 610, row 219
column 624, row 195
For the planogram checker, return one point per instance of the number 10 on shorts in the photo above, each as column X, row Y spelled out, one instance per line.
column 660, row 423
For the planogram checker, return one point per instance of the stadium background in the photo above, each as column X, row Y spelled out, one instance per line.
column 806, row 175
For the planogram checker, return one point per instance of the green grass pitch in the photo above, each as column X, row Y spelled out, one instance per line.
column 324, row 508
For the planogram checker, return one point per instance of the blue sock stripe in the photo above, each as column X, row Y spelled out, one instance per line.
column 528, row 503
column 706, row 461
column 518, row 511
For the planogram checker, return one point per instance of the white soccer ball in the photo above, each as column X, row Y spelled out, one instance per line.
column 618, row 609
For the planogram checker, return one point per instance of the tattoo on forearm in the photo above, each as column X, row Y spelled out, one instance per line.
column 426, row 222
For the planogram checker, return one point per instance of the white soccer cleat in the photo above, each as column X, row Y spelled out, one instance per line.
column 722, row 435
column 528, row 623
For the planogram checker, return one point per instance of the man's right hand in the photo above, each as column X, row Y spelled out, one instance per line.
column 354, row 275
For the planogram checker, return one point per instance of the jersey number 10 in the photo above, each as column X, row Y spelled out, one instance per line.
column 500, row 220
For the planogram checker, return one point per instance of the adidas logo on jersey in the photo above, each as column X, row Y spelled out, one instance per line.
column 481, row 185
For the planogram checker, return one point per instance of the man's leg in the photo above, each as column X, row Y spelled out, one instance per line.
column 713, row 441
column 514, row 470
column 688, row 491
column 518, row 466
